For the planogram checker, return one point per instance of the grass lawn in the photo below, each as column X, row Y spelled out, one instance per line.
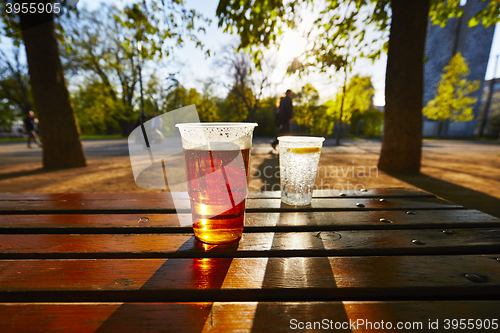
column 18, row 139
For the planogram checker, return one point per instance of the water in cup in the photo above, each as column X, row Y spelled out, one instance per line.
column 299, row 158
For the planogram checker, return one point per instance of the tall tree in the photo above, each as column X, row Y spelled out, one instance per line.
column 104, row 44
column 452, row 100
column 248, row 83
column 404, row 81
column 58, row 127
column 259, row 22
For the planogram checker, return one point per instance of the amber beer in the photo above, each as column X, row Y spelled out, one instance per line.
column 216, row 157
column 217, row 185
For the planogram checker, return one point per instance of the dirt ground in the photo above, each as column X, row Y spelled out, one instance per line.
column 467, row 174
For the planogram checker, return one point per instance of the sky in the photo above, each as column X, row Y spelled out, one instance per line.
column 198, row 68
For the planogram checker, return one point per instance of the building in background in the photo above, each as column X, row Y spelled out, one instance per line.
column 441, row 45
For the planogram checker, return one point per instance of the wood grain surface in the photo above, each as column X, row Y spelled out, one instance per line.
column 254, row 222
column 183, row 205
column 370, row 193
column 251, row 279
column 315, row 244
column 124, row 262
column 237, row 316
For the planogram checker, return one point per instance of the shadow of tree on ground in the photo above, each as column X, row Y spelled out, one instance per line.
column 37, row 171
column 454, row 193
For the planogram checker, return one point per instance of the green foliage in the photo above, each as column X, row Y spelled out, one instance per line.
column 309, row 115
column 452, row 100
column 315, row 118
column 256, row 21
column 207, row 108
column 367, row 123
column 14, row 100
column 358, row 98
column 104, row 45
column 180, row 97
column 342, row 38
column 265, row 117
column 8, row 111
column 260, row 22
column 15, row 92
column 155, row 23
column 95, row 109
column 233, row 108
column 488, row 16
column 441, row 11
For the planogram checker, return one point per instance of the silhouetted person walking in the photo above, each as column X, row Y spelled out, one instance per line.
column 29, row 124
column 284, row 115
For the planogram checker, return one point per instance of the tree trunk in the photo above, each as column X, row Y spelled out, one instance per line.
column 440, row 128
column 124, row 127
column 339, row 132
column 402, row 141
column 484, row 120
column 61, row 138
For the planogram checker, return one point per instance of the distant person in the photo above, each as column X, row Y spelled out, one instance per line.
column 284, row 116
column 30, row 124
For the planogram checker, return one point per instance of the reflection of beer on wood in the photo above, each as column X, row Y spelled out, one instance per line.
column 217, row 185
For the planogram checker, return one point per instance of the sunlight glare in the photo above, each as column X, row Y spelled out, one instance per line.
column 204, row 209
column 292, row 45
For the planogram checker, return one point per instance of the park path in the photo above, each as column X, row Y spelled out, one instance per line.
column 465, row 172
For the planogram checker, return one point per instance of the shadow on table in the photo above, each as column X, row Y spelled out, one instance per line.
column 189, row 277
column 175, row 279
column 455, row 193
column 268, row 172
column 302, row 274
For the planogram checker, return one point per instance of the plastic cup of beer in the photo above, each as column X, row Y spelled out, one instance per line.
column 299, row 158
column 217, row 156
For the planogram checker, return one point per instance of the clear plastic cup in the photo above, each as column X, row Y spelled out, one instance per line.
column 299, row 158
column 217, row 157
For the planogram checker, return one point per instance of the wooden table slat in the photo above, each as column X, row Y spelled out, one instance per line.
column 123, row 262
column 251, row 279
column 399, row 192
column 240, row 316
column 254, row 222
column 291, row 244
column 253, row 205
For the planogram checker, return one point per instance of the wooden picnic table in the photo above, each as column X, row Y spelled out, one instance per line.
column 122, row 262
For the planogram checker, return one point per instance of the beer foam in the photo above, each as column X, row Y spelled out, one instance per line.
column 196, row 135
